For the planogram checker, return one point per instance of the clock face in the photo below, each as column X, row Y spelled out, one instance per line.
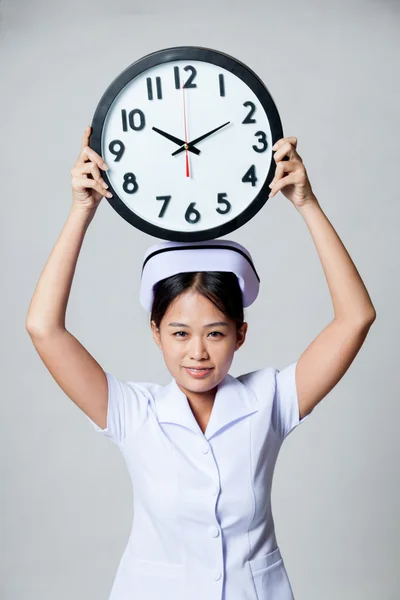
column 187, row 135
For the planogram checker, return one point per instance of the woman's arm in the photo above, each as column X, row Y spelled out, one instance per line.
column 328, row 357
column 74, row 369
column 48, row 306
column 350, row 299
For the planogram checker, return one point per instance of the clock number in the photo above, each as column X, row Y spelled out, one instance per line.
column 222, row 200
column 131, row 117
column 250, row 176
column 166, row 200
column 150, row 88
column 117, row 152
column 130, row 179
column 189, row 83
column 262, row 140
column 142, row 119
column 177, row 78
column 124, row 121
column 249, row 119
column 192, row 215
column 221, row 85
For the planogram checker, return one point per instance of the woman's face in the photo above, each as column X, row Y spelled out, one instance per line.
column 198, row 342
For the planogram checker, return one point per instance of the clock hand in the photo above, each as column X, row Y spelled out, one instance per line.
column 199, row 139
column 176, row 140
column 185, row 128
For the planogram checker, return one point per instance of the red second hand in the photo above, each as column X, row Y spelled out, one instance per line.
column 186, row 138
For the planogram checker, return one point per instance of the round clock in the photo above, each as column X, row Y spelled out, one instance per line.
column 187, row 134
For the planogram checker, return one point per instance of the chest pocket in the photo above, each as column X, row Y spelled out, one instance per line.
column 270, row 577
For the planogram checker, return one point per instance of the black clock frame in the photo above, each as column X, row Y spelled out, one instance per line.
column 171, row 55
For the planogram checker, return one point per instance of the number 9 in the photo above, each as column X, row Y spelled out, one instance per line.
column 117, row 152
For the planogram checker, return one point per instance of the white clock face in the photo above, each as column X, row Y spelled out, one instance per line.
column 210, row 182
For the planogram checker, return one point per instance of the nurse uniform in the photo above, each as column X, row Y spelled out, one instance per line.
column 202, row 527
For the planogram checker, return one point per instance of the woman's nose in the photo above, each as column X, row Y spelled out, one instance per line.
column 198, row 350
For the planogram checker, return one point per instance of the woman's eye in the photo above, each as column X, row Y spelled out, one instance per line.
column 183, row 334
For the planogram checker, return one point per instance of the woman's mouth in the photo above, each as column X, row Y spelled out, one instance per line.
column 198, row 373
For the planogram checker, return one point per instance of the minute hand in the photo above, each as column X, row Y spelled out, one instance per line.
column 174, row 139
column 199, row 139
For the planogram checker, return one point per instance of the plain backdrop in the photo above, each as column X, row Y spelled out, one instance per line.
column 333, row 71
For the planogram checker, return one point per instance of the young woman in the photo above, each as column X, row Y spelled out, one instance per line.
column 200, row 451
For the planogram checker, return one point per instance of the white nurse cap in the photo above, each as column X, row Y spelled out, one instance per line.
column 170, row 258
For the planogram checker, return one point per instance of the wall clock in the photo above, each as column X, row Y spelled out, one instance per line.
column 187, row 134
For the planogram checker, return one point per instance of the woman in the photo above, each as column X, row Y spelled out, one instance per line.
column 200, row 451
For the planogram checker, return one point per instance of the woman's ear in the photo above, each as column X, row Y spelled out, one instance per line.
column 241, row 336
column 156, row 334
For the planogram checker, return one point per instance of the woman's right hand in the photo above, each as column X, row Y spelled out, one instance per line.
column 87, row 192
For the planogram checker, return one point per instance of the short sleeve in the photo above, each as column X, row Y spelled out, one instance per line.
column 285, row 414
column 127, row 409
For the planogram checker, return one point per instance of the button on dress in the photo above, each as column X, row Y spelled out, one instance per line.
column 202, row 527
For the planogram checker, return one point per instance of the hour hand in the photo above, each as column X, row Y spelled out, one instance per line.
column 199, row 139
column 176, row 140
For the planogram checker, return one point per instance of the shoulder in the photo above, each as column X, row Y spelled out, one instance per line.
column 127, row 406
column 259, row 385
column 271, row 382
column 277, row 389
column 147, row 389
column 262, row 382
column 141, row 389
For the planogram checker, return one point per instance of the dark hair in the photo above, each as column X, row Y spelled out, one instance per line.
column 221, row 288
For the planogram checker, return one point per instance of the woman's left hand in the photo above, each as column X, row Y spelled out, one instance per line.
column 291, row 176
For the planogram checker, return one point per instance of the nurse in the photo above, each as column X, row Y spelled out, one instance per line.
column 201, row 450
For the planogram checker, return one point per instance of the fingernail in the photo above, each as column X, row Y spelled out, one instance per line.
column 105, row 166
column 274, row 147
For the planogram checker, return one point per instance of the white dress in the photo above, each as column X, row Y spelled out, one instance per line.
column 202, row 526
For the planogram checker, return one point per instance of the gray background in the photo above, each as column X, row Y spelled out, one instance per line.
column 332, row 69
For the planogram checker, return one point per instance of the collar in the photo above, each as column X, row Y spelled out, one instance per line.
column 233, row 401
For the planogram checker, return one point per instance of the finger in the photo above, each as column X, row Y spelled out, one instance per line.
column 282, row 183
column 287, row 150
column 91, row 168
column 88, row 153
column 284, row 167
column 86, row 137
column 292, row 140
column 85, row 140
column 84, row 183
